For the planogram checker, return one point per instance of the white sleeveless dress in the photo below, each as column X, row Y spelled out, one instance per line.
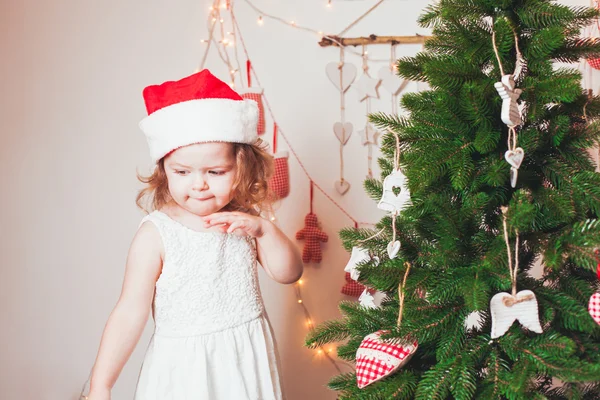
column 212, row 338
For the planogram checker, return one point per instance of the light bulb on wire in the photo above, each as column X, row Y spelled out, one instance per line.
column 260, row 21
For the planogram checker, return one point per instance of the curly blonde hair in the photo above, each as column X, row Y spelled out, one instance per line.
column 251, row 192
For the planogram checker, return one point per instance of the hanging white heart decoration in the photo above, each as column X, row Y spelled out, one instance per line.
column 342, row 186
column 515, row 157
column 391, row 82
column 506, row 309
column 393, row 248
column 343, row 131
column 348, row 75
column 376, row 358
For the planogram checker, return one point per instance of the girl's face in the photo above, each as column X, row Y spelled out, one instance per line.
column 201, row 176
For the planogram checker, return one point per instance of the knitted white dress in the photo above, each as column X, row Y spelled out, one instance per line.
column 212, row 339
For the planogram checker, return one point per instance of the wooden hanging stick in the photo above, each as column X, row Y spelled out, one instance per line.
column 371, row 39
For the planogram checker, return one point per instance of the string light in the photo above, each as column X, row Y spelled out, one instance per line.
column 320, row 34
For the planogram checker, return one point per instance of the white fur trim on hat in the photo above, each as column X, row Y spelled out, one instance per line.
column 200, row 121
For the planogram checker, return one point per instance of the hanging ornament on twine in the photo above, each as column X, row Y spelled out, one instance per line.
column 392, row 202
column 312, row 235
column 378, row 358
column 280, row 181
column 594, row 303
column 366, row 87
column 517, row 306
column 390, row 80
column 256, row 94
column 511, row 110
column 368, row 134
column 593, row 31
column 342, row 75
column 367, row 297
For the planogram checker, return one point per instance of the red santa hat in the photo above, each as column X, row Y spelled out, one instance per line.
column 197, row 109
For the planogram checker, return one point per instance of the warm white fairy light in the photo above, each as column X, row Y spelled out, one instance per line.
column 260, row 20
column 320, row 34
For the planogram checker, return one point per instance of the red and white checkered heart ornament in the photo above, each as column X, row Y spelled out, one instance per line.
column 594, row 307
column 376, row 358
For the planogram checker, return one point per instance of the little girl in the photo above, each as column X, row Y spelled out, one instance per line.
column 193, row 261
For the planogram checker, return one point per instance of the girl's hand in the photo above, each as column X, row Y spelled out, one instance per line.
column 238, row 223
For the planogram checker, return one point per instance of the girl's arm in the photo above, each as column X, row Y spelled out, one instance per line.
column 128, row 318
column 278, row 255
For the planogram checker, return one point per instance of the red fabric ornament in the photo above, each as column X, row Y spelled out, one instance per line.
column 352, row 288
column 594, row 307
column 280, row 181
column 256, row 95
column 312, row 236
column 376, row 358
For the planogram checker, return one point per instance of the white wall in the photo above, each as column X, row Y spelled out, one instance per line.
column 72, row 75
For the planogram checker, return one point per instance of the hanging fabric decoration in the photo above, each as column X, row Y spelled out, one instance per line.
column 517, row 306
column 342, row 75
column 390, row 81
column 593, row 31
column 392, row 202
column 255, row 93
column 594, row 304
column 312, row 235
column 368, row 134
column 351, row 287
column 511, row 110
column 377, row 358
column 280, row 181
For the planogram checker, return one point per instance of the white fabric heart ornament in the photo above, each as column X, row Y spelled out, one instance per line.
column 506, row 309
column 376, row 358
column 343, row 131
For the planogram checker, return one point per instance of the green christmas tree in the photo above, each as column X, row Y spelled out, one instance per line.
column 467, row 227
